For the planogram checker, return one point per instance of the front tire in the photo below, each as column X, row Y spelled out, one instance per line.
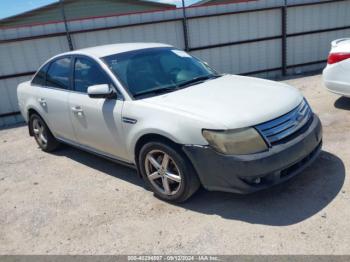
column 42, row 134
column 167, row 172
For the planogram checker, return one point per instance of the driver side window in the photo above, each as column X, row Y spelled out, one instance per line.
column 88, row 73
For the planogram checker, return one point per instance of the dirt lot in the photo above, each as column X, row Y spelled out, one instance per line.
column 74, row 202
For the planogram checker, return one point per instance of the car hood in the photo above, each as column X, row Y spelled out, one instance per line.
column 233, row 101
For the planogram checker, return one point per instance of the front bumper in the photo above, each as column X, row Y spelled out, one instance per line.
column 240, row 174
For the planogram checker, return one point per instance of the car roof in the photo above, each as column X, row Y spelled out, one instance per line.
column 106, row 50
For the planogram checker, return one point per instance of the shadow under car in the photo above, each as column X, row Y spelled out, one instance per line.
column 291, row 202
column 342, row 103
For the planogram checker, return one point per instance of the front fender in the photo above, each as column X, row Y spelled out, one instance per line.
column 180, row 127
column 150, row 131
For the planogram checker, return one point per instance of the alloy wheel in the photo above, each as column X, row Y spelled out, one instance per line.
column 162, row 172
column 40, row 132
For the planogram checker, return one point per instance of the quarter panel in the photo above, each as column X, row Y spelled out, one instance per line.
column 28, row 96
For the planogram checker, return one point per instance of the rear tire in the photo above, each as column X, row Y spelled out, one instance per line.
column 42, row 134
column 167, row 172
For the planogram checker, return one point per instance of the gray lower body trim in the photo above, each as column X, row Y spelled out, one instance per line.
column 240, row 174
column 97, row 152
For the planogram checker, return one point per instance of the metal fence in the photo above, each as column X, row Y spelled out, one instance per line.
column 264, row 38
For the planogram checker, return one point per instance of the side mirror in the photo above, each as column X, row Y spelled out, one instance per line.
column 101, row 91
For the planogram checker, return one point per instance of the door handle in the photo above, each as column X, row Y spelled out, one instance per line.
column 42, row 101
column 77, row 110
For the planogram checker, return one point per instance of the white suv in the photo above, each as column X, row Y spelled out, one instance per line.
column 171, row 116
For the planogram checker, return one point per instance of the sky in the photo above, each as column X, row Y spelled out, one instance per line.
column 13, row 7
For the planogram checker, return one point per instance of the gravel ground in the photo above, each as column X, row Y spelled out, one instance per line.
column 73, row 202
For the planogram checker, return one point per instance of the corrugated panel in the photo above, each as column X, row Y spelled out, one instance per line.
column 231, row 28
column 10, row 120
column 8, row 100
column 27, row 31
column 226, row 8
column 8, row 94
column 243, row 58
column 17, row 32
column 124, row 19
column 24, row 56
column 9, row 33
column 305, row 69
column 314, row 47
column 315, row 17
column 169, row 33
column 268, row 75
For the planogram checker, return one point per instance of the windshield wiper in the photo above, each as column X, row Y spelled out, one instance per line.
column 176, row 87
column 197, row 79
column 156, row 91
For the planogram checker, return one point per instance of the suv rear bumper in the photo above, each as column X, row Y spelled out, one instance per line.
column 240, row 174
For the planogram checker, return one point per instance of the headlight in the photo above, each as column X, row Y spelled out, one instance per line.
column 241, row 141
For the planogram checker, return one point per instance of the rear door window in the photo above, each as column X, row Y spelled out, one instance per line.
column 58, row 74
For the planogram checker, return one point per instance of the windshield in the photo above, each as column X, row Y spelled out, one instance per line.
column 157, row 70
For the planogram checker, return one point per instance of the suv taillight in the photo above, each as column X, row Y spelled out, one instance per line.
column 337, row 57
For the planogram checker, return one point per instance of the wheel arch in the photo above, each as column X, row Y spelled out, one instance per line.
column 31, row 111
column 194, row 181
column 152, row 137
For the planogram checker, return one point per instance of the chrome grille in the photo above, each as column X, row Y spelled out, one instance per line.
column 284, row 126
